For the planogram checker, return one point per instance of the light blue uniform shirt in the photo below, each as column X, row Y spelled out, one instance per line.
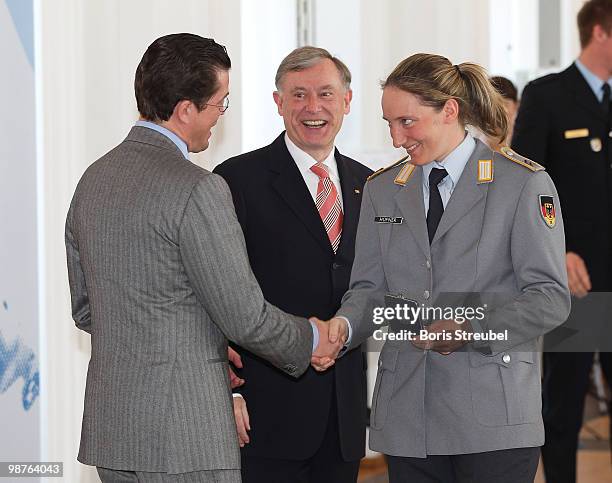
column 182, row 145
column 594, row 82
column 454, row 164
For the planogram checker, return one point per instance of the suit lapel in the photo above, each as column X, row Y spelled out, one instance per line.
column 467, row 192
column 409, row 200
column 582, row 92
column 290, row 186
column 351, row 201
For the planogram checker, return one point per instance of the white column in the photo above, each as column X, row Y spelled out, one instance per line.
column 264, row 45
column 62, row 111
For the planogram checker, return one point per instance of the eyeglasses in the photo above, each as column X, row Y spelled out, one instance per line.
column 222, row 107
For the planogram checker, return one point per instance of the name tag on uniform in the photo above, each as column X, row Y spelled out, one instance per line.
column 396, row 220
column 576, row 133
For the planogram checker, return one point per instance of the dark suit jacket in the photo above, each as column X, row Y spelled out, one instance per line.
column 551, row 108
column 160, row 278
column 296, row 268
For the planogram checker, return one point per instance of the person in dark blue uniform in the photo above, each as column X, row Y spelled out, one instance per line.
column 564, row 122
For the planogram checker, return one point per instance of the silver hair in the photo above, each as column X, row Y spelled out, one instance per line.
column 304, row 57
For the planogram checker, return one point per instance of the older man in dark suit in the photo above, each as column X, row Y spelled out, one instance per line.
column 565, row 123
column 298, row 202
column 160, row 278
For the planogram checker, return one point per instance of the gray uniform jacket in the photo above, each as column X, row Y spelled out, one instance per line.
column 160, row 278
column 492, row 240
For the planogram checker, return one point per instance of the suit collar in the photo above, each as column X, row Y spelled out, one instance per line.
column 290, row 186
column 351, row 198
column 582, row 92
column 145, row 135
column 182, row 145
column 305, row 161
column 594, row 82
column 454, row 163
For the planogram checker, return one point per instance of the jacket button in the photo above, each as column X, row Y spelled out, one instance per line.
column 506, row 358
column 336, row 266
column 428, row 264
column 426, row 294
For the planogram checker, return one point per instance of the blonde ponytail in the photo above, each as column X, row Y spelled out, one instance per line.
column 434, row 80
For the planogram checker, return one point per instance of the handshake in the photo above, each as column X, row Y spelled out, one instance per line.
column 333, row 334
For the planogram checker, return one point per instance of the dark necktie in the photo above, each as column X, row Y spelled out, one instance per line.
column 436, row 208
column 605, row 102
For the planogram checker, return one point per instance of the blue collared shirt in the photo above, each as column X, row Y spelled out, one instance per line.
column 182, row 145
column 454, row 164
column 594, row 82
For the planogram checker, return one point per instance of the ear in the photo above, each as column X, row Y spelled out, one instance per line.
column 599, row 34
column 348, row 97
column 278, row 100
column 183, row 111
column 451, row 111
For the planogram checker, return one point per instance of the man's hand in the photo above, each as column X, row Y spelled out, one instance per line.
column 332, row 336
column 442, row 328
column 577, row 275
column 235, row 359
column 242, row 420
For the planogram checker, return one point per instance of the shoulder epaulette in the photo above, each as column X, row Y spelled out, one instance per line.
column 405, row 159
column 518, row 159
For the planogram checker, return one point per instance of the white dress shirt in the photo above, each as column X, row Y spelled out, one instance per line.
column 305, row 161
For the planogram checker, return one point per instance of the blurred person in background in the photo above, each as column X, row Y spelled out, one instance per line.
column 565, row 123
column 509, row 93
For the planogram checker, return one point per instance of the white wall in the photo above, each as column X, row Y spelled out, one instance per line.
column 264, row 45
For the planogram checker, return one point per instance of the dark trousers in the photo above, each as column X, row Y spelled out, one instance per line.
column 506, row 466
column 325, row 466
column 566, row 381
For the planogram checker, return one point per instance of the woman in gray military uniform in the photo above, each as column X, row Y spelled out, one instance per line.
column 455, row 217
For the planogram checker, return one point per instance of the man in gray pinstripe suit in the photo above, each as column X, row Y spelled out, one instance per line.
column 160, row 278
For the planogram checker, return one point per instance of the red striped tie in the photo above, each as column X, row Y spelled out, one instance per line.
column 328, row 204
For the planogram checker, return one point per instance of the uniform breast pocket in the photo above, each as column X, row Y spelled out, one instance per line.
column 575, row 148
column 383, row 389
column 505, row 388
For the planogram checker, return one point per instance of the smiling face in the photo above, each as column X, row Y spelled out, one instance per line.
column 313, row 103
column 426, row 133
